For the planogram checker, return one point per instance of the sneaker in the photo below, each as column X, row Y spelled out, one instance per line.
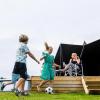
column 2, row 87
column 24, row 93
column 12, row 90
column 17, row 93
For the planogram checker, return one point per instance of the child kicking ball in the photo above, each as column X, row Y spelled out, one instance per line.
column 48, row 73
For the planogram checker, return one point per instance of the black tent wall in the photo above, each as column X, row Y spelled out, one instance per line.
column 91, row 59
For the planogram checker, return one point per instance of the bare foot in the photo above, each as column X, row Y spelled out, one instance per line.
column 38, row 88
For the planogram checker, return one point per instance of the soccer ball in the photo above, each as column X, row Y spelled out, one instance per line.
column 49, row 90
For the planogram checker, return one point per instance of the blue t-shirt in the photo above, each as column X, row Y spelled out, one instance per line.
column 21, row 53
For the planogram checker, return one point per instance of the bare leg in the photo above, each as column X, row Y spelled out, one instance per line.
column 41, row 84
column 51, row 83
column 21, row 87
column 5, row 84
column 8, row 83
column 20, row 83
column 66, row 67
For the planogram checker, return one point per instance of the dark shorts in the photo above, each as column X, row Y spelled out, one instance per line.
column 20, row 68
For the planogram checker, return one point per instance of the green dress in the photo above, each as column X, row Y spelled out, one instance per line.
column 47, row 71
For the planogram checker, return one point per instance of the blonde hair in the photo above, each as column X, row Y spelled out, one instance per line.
column 23, row 38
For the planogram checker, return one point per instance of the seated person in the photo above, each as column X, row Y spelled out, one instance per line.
column 74, row 60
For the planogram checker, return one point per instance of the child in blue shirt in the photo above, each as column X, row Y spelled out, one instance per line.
column 20, row 64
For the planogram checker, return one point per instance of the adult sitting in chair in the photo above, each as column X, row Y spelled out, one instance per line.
column 73, row 65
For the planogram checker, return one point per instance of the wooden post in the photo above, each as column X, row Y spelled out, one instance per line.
column 85, row 86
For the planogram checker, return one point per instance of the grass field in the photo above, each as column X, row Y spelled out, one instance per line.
column 43, row 96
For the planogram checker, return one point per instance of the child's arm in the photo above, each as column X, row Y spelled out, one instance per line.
column 70, row 60
column 56, row 65
column 33, row 57
column 78, row 61
column 41, row 58
column 46, row 45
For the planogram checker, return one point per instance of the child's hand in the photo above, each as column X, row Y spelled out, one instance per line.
column 38, row 62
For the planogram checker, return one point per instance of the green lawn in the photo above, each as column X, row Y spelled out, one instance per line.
column 43, row 96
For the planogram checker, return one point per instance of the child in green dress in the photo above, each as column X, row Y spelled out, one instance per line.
column 47, row 73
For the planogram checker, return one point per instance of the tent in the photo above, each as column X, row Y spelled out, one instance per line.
column 90, row 56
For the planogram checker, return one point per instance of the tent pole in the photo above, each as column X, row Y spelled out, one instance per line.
column 60, row 57
column 81, row 57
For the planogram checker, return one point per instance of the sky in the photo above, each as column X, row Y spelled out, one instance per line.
column 54, row 21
